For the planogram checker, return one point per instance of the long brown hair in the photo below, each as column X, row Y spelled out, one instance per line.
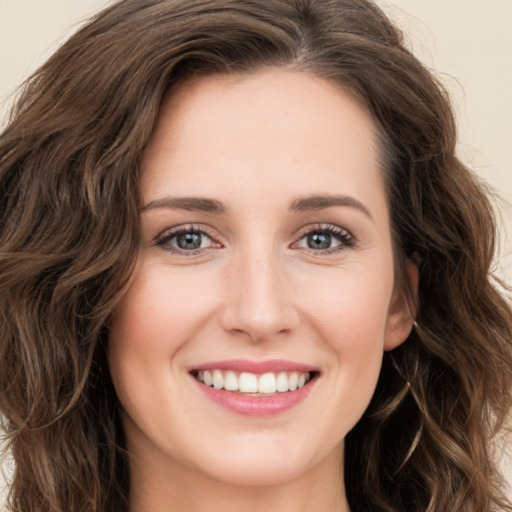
column 69, row 238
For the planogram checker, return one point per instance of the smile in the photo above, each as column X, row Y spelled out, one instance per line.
column 253, row 384
column 251, row 388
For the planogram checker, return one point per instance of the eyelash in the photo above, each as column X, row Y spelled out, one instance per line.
column 345, row 238
column 165, row 238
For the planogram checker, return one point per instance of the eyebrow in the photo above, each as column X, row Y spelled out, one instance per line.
column 305, row 204
column 193, row 204
column 313, row 203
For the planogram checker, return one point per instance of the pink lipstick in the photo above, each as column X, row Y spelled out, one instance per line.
column 255, row 388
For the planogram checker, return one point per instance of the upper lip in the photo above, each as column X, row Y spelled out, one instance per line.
column 246, row 365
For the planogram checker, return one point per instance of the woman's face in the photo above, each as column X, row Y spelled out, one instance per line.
column 266, row 267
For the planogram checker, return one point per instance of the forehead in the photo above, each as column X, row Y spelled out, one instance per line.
column 272, row 126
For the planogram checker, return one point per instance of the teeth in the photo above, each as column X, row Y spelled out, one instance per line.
column 207, row 377
column 248, row 383
column 292, row 381
column 245, row 382
column 218, row 379
column 282, row 382
column 267, row 383
column 230, row 381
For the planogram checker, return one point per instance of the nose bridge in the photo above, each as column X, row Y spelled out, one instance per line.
column 260, row 302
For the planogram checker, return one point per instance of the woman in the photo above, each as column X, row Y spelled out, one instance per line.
column 243, row 269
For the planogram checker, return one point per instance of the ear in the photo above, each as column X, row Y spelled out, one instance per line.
column 401, row 313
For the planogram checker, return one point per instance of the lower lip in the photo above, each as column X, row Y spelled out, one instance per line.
column 256, row 405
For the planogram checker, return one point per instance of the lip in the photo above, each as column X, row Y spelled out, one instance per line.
column 247, row 405
column 256, row 405
column 259, row 367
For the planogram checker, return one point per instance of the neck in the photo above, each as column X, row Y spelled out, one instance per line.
column 175, row 488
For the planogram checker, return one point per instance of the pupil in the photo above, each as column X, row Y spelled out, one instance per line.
column 319, row 241
column 189, row 241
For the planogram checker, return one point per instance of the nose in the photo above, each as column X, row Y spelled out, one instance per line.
column 259, row 302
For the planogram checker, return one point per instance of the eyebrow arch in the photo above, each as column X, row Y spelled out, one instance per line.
column 193, row 204
column 207, row 205
column 313, row 203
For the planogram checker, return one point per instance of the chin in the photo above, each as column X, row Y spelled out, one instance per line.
column 264, row 462
column 256, row 471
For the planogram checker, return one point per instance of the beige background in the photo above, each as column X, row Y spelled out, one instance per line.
column 468, row 42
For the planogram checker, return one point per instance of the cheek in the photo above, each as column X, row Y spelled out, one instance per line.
column 143, row 335
column 157, row 313
column 151, row 323
column 351, row 308
column 351, row 315
column 160, row 314
column 357, row 334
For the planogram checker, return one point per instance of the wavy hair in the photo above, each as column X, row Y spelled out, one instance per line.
column 69, row 237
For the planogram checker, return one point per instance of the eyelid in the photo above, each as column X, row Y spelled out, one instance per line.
column 162, row 239
column 346, row 238
column 343, row 235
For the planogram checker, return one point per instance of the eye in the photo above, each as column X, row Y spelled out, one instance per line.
column 186, row 240
column 325, row 238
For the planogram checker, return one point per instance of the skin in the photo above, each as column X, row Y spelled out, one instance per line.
column 255, row 290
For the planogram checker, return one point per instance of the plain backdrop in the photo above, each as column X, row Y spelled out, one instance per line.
column 467, row 42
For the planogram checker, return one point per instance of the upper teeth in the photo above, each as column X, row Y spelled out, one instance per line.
column 246, row 382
